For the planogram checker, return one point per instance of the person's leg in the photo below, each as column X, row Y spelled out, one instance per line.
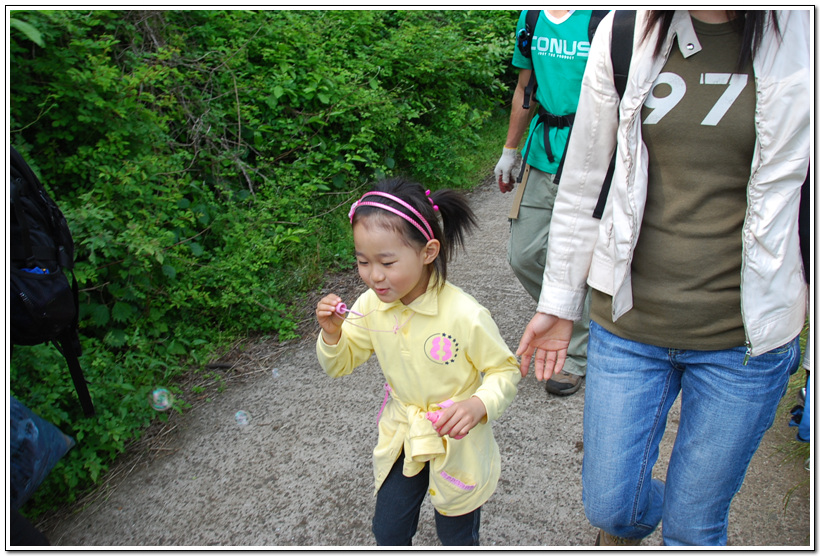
column 397, row 506
column 527, row 247
column 460, row 530
column 527, row 254
column 726, row 407
column 630, row 388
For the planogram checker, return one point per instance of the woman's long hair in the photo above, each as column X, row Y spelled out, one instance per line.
column 750, row 24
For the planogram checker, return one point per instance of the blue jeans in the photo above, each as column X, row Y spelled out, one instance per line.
column 398, row 505
column 726, row 407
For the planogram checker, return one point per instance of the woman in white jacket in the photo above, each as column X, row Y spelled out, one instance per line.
column 695, row 269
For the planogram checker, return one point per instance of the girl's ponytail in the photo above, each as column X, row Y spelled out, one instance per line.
column 458, row 218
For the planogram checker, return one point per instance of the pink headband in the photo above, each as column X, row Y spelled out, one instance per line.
column 428, row 234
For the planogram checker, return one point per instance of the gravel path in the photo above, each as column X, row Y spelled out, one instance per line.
column 299, row 473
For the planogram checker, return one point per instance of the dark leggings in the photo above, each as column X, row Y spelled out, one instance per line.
column 398, row 505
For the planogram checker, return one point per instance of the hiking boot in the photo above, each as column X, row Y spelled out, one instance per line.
column 564, row 384
column 605, row 539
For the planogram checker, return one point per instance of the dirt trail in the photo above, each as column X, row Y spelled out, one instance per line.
column 299, row 473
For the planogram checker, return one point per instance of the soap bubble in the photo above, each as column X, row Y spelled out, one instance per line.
column 242, row 418
column 161, row 399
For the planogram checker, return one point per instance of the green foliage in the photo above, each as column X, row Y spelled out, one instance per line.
column 28, row 30
column 205, row 161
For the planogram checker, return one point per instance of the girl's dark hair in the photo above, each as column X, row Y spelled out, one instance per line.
column 750, row 24
column 457, row 217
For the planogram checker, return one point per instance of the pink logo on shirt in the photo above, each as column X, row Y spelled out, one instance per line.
column 441, row 348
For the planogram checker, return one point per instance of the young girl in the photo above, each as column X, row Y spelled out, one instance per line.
column 449, row 373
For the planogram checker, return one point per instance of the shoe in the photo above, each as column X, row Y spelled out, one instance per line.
column 564, row 384
column 605, row 539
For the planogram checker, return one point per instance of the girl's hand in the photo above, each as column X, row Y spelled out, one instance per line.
column 458, row 419
column 329, row 319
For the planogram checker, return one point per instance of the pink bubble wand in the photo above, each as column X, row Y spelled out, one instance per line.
column 341, row 309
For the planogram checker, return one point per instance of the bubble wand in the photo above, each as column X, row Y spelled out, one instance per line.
column 341, row 309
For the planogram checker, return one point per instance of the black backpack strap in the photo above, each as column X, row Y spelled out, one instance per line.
column 546, row 120
column 594, row 19
column 525, row 46
column 68, row 344
column 525, row 41
column 68, row 348
column 804, row 225
column 623, row 31
column 529, row 90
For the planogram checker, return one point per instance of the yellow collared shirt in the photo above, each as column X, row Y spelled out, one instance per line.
column 444, row 345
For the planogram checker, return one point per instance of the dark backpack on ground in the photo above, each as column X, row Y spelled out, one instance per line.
column 44, row 303
column 546, row 119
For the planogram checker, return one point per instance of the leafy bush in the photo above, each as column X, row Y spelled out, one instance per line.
column 205, row 161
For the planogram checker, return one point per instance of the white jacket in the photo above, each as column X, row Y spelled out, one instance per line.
column 584, row 250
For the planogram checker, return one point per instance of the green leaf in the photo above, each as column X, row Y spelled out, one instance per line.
column 28, row 30
column 122, row 311
column 169, row 271
column 115, row 338
column 100, row 315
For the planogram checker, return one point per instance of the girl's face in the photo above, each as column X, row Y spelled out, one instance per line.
column 389, row 266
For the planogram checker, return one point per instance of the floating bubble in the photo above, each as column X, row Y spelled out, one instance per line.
column 162, row 399
column 242, row 418
column 275, row 373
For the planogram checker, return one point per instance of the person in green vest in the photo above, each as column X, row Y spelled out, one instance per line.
column 558, row 48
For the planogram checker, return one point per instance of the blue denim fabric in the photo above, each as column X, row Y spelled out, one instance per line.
column 726, row 407
column 397, row 512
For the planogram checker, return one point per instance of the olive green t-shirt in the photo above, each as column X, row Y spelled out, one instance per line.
column 698, row 126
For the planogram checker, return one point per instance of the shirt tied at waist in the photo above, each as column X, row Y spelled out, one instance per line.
column 421, row 441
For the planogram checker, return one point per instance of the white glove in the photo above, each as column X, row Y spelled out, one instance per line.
column 507, row 164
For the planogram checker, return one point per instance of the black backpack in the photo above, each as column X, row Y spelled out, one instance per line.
column 44, row 303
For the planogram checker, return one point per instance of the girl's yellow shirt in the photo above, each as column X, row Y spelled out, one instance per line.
column 444, row 345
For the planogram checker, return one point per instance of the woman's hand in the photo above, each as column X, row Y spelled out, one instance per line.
column 547, row 339
column 329, row 319
column 458, row 419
